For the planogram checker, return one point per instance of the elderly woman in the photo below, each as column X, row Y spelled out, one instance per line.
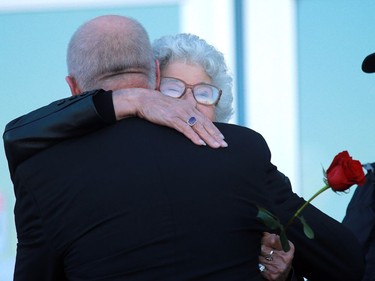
column 193, row 70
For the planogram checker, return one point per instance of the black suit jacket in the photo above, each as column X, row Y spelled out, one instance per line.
column 136, row 201
column 324, row 258
column 360, row 218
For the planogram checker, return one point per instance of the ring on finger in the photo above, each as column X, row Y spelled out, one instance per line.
column 191, row 121
column 262, row 267
column 269, row 256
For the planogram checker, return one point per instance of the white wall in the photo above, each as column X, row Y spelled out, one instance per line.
column 271, row 80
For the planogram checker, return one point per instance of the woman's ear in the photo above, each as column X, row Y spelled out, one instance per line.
column 157, row 69
column 74, row 89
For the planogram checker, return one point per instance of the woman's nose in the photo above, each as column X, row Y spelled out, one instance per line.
column 189, row 96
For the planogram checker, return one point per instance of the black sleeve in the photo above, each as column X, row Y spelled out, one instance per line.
column 51, row 124
column 334, row 253
column 293, row 276
column 103, row 103
column 360, row 219
column 35, row 259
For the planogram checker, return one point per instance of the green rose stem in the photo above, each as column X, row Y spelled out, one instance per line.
column 296, row 214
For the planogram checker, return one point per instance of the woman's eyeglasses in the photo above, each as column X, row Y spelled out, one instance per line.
column 203, row 93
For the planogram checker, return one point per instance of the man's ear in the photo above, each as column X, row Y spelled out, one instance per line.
column 157, row 69
column 74, row 89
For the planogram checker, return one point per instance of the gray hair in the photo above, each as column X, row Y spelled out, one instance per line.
column 109, row 45
column 192, row 49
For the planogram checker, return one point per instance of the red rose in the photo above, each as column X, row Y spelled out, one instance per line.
column 344, row 172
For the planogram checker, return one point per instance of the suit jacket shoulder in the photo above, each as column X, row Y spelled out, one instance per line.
column 31, row 133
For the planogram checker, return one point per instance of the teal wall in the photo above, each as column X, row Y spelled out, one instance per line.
column 32, row 58
column 336, row 99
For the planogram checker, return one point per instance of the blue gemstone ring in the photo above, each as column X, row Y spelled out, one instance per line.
column 191, row 121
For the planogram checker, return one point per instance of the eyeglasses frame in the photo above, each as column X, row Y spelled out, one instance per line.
column 191, row 87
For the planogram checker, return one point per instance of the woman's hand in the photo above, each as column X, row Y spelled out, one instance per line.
column 274, row 263
column 171, row 112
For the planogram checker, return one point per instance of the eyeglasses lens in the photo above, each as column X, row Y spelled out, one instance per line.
column 205, row 94
column 172, row 87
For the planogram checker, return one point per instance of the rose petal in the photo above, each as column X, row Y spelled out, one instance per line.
column 345, row 172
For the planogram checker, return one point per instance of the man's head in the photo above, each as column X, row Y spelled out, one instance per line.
column 368, row 64
column 110, row 52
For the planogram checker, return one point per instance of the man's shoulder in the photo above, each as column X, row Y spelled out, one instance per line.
column 230, row 131
column 233, row 130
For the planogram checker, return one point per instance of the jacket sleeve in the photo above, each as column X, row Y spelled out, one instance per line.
column 62, row 119
column 333, row 254
column 35, row 259
column 360, row 219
